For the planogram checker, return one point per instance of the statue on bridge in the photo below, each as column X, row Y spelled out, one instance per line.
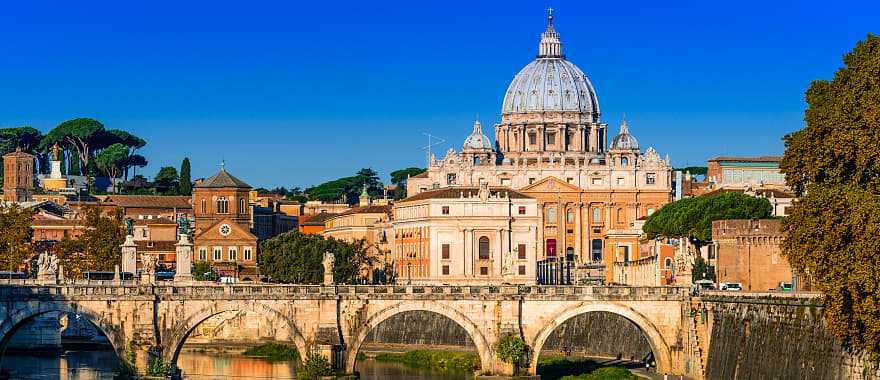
column 328, row 263
column 47, row 267
column 148, row 268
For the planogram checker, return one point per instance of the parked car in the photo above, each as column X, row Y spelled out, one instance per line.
column 228, row 280
column 785, row 286
column 705, row 284
column 731, row 286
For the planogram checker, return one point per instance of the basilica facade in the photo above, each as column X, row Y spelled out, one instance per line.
column 552, row 145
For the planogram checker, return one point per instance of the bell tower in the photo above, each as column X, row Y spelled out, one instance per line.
column 18, row 176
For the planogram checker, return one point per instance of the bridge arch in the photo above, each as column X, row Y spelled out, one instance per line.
column 20, row 317
column 179, row 334
column 655, row 339
column 483, row 349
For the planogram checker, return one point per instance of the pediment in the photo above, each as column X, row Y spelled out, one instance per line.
column 236, row 232
column 550, row 185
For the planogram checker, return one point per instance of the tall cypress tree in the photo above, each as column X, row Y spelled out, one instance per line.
column 185, row 185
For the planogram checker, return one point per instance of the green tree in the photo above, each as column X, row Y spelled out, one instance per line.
column 98, row 248
column 693, row 217
column 834, row 164
column 702, row 270
column 348, row 189
column 202, row 271
column 134, row 161
column 399, row 178
column 297, row 258
column 15, row 234
column 185, row 186
column 166, row 179
column 694, row 170
column 111, row 161
column 83, row 135
column 26, row 138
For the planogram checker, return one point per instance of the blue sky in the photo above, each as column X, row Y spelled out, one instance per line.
column 295, row 93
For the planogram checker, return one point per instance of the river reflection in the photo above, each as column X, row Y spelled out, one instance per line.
column 102, row 365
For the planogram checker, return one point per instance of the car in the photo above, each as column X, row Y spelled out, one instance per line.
column 785, row 286
column 705, row 284
column 731, row 286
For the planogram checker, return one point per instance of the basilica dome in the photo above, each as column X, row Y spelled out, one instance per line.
column 477, row 139
column 551, row 83
column 624, row 140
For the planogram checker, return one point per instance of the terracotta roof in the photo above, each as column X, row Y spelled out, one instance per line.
column 463, row 191
column 18, row 153
column 144, row 222
column 317, row 219
column 423, row 174
column 223, row 179
column 57, row 222
column 151, row 201
column 747, row 159
column 383, row 209
column 158, row 246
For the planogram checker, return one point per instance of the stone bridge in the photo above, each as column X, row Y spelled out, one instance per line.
column 150, row 322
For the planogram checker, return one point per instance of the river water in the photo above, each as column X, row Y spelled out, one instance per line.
column 101, row 365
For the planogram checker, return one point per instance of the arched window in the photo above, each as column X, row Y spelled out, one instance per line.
column 668, row 263
column 596, row 250
column 650, row 211
column 476, row 161
column 484, row 248
column 620, row 218
column 204, row 206
column 597, row 215
column 551, row 215
column 242, row 207
column 624, row 161
column 569, row 216
column 222, row 205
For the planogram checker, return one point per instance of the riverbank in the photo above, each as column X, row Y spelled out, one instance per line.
column 437, row 360
column 565, row 368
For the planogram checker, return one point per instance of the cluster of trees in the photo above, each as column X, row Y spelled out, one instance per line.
column 297, row 258
column 98, row 248
column 15, row 225
column 692, row 217
column 168, row 181
column 348, row 189
column 833, row 164
column 89, row 148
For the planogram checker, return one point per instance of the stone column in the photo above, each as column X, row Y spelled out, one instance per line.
column 129, row 256
column 497, row 266
column 579, row 214
column 184, row 258
column 539, row 251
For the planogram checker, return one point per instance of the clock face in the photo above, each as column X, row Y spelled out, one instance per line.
column 225, row 229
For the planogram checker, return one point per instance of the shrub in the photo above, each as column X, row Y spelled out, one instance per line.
column 511, row 349
column 315, row 366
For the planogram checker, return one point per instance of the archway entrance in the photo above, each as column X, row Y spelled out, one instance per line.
column 592, row 336
column 422, row 334
column 58, row 342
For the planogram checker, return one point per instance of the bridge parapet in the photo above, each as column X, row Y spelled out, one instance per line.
column 18, row 289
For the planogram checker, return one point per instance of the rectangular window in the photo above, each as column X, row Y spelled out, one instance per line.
column 597, row 181
column 531, row 181
column 445, row 251
column 551, row 138
column 484, row 271
column 218, row 254
column 569, row 180
column 620, row 181
column 247, row 254
column 522, row 270
column 203, row 254
column 233, row 254
column 532, row 139
column 450, row 179
column 521, row 251
column 445, row 210
column 522, row 210
column 505, row 182
column 446, row 270
column 650, row 178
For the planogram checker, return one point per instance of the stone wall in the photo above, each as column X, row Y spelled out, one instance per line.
column 774, row 338
column 420, row 328
column 599, row 334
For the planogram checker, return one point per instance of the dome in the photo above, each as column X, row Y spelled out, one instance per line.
column 551, row 83
column 477, row 140
column 624, row 140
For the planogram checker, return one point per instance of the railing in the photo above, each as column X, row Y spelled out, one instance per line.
column 130, row 288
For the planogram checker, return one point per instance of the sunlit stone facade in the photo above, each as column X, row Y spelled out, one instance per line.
column 552, row 145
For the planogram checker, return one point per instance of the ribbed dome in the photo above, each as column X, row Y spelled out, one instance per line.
column 477, row 140
column 550, row 83
column 624, row 140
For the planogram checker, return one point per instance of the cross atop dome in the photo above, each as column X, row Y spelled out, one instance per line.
column 550, row 46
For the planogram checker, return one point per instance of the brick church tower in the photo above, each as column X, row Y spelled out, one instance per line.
column 18, row 176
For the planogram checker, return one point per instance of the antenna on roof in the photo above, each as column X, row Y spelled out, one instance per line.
column 431, row 143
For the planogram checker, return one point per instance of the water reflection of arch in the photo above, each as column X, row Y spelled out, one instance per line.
column 20, row 317
column 179, row 334
column 483, row 350
column 658, row 345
